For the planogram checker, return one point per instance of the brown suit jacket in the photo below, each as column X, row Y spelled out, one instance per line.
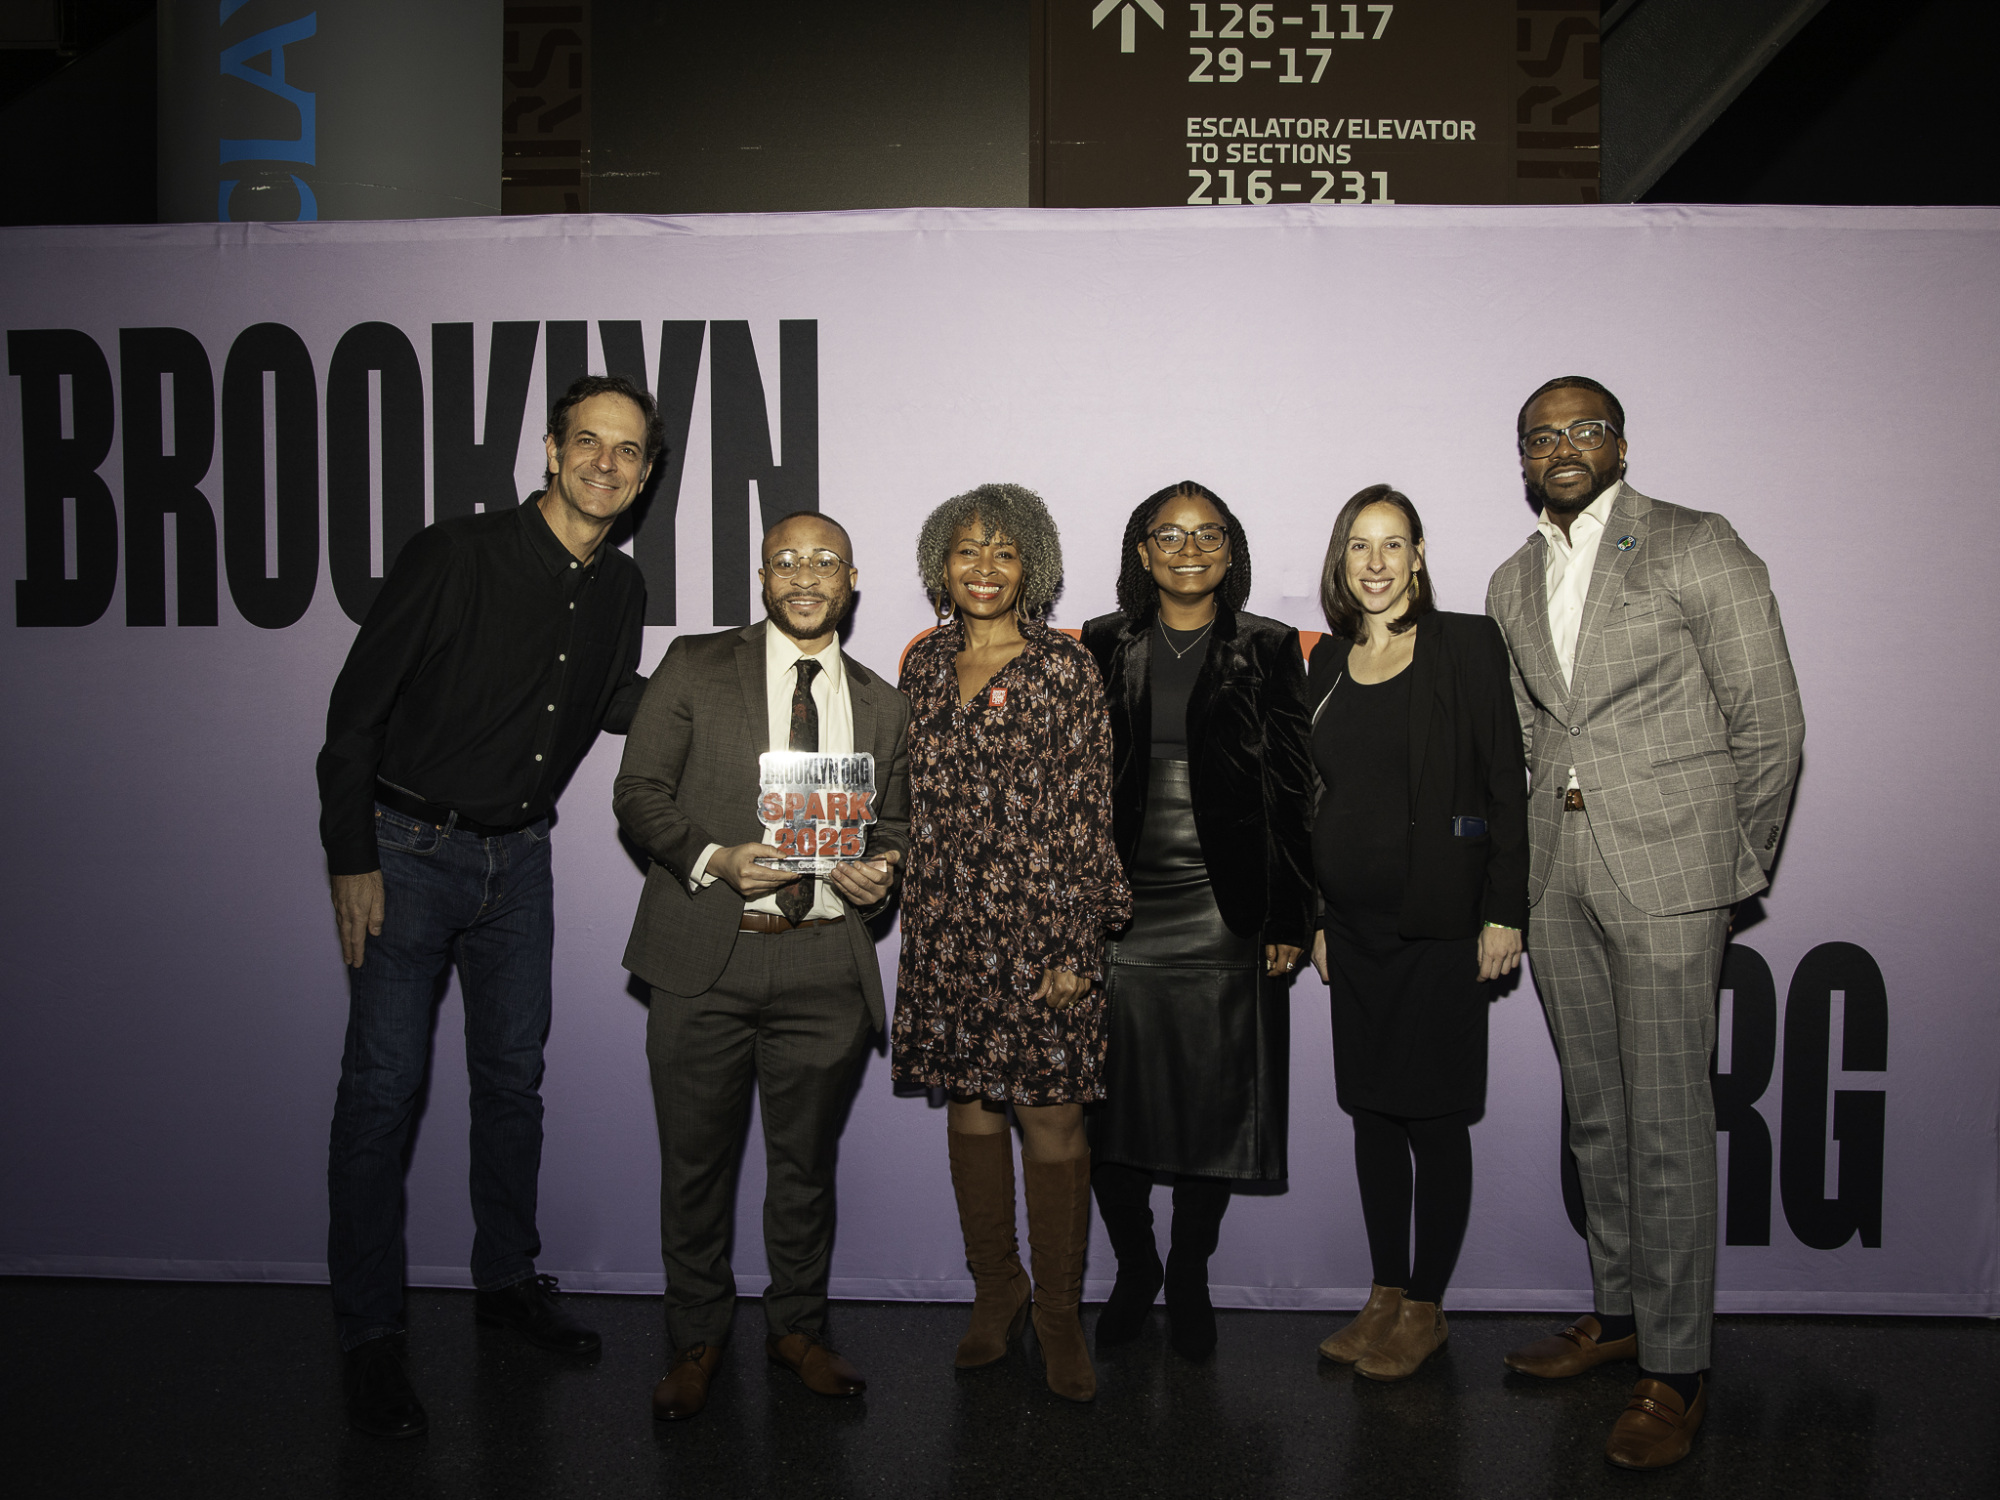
column 689, row 779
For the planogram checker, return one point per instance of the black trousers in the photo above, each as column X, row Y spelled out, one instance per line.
column 787, row 1015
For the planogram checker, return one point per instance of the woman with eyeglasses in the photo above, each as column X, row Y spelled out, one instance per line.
column 1420, row 843
column 1013, row 886
column 1211, row 803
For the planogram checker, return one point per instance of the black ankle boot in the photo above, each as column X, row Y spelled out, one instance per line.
column 1199, row 1204
column 1124, row 1203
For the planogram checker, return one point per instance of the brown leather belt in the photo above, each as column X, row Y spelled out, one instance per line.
column 1573, row 799
column 770, row 921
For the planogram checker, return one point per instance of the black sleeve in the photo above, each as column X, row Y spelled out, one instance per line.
column 1327, row 651
column 1497, row 738
column 631, row 685
column 424, row 589
column 1289, row 797
column 1317, row 677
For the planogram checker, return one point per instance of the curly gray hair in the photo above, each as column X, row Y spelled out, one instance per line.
column 1006, row 510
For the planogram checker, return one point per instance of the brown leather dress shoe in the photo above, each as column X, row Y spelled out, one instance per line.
column 824, row 1372
column 1654, row 1430
column 1572, row 1351
column 683, row 1390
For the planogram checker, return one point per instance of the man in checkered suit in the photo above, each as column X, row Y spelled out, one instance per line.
column 1663, row 733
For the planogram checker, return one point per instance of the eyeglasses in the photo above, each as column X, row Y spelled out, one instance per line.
column 819, row 564
column 1170, row 539
column 1583, row 436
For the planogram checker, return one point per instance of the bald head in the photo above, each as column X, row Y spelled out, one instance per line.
column 803, row 602
column 808, row 531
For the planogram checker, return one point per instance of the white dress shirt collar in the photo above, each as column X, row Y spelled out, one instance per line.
column 781, row 657
column 1597, row 514
column 836, row 725
column 1567, row 569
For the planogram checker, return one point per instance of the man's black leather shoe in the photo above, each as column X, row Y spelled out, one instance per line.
column 530, row 1309
column 380, row 1401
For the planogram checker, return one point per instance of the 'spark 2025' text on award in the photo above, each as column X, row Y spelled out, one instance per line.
column 818, row 808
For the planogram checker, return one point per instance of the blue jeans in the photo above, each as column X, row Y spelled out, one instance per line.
column 488, row 904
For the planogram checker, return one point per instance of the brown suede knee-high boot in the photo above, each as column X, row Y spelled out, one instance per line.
column 1058, row 1231
column 982, row 1177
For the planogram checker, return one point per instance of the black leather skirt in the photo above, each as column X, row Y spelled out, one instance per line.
column 1198, row 1067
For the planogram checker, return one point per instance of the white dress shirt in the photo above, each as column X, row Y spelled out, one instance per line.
column 1566, row 571
column 836, row 737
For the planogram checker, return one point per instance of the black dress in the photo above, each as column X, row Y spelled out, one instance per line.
column 1197, row 1071
column 1409, row 1014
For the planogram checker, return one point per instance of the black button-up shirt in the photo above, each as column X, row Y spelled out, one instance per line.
column 482, row 674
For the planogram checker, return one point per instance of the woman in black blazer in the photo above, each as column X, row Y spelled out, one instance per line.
column 1420, row 844
column 1211, row 812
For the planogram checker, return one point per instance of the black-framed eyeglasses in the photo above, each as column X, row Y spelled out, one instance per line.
column 1583, row 436
column 1171, row 539
column 821, row 564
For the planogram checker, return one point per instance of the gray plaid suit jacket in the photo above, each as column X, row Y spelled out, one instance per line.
column 689, row 779
column 1682, row 718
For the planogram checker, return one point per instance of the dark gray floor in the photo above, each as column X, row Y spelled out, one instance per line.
column 147, row 1389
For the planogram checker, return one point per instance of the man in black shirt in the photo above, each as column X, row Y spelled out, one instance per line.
column 499, row 646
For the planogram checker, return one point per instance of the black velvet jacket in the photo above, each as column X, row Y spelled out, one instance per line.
column 1249, row 764
column 1465, row 761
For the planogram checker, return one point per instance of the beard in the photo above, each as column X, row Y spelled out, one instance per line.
column 1541, row 499
column 839, row 600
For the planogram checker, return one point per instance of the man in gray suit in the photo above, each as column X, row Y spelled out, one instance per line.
column 1663, row 732
column 757, row 974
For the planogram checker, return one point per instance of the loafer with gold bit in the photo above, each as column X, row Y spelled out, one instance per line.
column 1572, row 1351
column 1655, row 1430
column 824, row 1372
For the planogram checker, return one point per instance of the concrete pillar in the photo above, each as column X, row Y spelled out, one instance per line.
column 328, row 109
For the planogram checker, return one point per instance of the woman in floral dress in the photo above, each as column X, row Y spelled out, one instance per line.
column 1013, row 884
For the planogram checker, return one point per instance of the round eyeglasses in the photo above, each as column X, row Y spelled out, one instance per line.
column 820, row 564
column 1171, row 539
column 1583, row 436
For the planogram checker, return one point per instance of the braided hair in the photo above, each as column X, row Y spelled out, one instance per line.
column 1138, row 594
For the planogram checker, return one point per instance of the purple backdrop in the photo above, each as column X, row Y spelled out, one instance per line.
column 174, row 1000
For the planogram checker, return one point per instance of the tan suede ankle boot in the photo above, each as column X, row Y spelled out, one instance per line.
column 1058, row 1230
column 1418, row 1332
column 982, row 1177
column 1369, row 1325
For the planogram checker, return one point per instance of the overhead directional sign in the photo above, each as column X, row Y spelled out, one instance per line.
column 1140, row 102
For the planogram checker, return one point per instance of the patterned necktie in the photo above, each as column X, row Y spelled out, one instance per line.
column 795, row 900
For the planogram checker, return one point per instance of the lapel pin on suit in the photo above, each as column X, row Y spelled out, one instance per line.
column 1627, row 543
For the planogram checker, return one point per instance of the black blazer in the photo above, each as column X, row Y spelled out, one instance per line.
column 1465, row 760
column 1249, row 764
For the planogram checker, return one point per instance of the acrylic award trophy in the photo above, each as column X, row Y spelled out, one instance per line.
column 818, row 808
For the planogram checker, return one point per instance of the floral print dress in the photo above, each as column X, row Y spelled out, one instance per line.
column 1012, row 871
